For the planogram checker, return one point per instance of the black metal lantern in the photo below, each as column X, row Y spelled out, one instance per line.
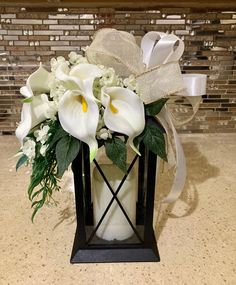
column 141, row 247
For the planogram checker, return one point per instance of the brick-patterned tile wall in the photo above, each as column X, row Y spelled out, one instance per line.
column 32, row 35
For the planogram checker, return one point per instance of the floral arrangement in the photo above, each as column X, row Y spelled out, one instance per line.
column 115, row 96
column 79, row 102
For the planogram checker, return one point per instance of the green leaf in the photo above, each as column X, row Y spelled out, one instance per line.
column 138, row 139
column 22, row 160
column 36, row 193
column 60, row 132
column 37, row 205
column 67, row 149
column 27, row 100
column 35, row 181
column 116, row 151
column 154, row 140
column 154, row 108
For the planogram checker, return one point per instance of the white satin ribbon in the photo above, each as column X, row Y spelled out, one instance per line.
column 180, row 169
column 195, row 84
column 195, row 87
column 161, row 49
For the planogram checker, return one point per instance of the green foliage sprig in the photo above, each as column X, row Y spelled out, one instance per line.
column 48, row 169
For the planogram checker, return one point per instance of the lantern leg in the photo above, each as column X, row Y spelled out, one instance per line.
column 149, row 235
column 80, row 236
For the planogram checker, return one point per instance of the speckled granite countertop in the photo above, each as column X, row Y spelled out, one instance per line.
column 196, row 235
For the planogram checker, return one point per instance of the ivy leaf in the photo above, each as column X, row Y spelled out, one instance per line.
column 67, row 149
column 154, row 140
column 154, row 108
column 22, row 160
column 116, row 151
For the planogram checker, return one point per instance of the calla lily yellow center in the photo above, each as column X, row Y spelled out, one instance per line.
column 113, row 108
column 83, row 103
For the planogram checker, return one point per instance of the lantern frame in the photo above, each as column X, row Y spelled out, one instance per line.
column 142, row 247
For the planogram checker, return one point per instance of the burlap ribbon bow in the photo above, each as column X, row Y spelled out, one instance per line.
column 156, row 68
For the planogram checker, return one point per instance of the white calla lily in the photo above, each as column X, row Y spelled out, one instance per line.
column 80, row 77
column 38, row 107
column 38, row 82
column 124, row 112
column 78, row 111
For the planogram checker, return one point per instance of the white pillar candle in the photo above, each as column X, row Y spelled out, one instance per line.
column 115, row 225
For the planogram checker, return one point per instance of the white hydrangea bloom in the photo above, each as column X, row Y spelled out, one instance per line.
column 57, row 91
column 43, row 149
column 109, row 77
column 29, row 148
column 104, row 134
column 42, row 134
column 50, row 112
column 55, row 62
column 131, row 83
column 75, row 58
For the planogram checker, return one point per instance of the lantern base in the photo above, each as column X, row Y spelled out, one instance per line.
column 115, row 252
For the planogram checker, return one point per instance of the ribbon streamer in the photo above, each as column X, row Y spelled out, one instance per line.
column 170, row 48
column 180, row 169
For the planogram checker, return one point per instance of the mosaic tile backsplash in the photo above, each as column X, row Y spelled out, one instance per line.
column 32, row 35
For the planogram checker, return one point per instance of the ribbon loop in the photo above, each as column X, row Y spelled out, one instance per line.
column 116, row 49
column 160, row 48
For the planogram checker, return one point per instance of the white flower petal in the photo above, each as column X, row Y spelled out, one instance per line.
column 70, row 82
column 80, row 77
column 25, row 124
column 124, row 112
column 78, row 115
column 86, row 73
column 29, row 149
column 39, row 80
column 32, row 114
column 26, row 91
column 85, row 70
column 39, row 109
column 87, row 87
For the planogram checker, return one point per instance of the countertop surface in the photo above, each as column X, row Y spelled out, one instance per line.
column 196, row 235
